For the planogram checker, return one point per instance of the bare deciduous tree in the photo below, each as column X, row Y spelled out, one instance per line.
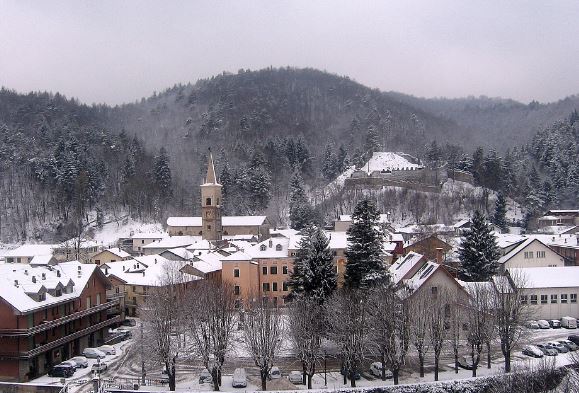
column 348, row 320
column 211, row 315
column 306, row 330
column 439, row 324
column 381, row 326
column 419, row 306
column 263, row 330
column 510, row 312
column 479, row 319
column 457, row 320
column 161, row 315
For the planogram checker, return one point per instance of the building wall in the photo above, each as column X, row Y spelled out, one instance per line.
column 570, row 254
column 247, row 284
column 555, row 309
column 551, row 258
column 105, row 257
column 428, row 246
column 275, row 282
column 257, row 230
column 140, row 242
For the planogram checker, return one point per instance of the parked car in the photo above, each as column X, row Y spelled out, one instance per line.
column 93, row 353
column 355, row 375
column 274, row 373
column 69, row 363
column 549, row 351
column 465, row 362
column 532, row 325
column 239, row 378
column 555, row 323
column 376, row 370
column 543, row 324
column 569, row 322
column 108, row 349
column 295, row 377
column 125, row 332
column 532, row 350
column 99, row 367
column 205, row 376
column 570, row 345
column 62, row 371
column 558, row 346
column 129, row 322
column 81, row 361
column 574, row 338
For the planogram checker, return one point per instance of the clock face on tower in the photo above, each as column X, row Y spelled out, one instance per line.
column 210, row 213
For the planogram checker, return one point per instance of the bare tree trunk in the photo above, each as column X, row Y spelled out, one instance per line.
column 395, row 376
column 352, row 378
column 456, row 362
column 508, row 361
column 421, row 360
column 436, row 369
column 263, row 381
column 488, row 355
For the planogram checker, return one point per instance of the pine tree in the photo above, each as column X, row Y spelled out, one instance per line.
column 342, row 159
column 478, row 251
column 499, row 218
column 329, row 163
column 372, row 141
column 258, row 183
column 301, row 212
column 313, row 276
column 162, row 173
column 365, row 265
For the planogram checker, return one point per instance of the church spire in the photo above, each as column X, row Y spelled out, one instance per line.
column 210, row 178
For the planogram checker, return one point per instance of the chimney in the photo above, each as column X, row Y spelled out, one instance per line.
column 58, row 273
column 16, row 283
column 25, row 271
column 143, row 273
column 34, row 279
column 270, row 243
column 439, row 255
column 44, row 276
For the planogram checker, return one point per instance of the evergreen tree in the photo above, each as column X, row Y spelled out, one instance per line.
column 478, row 251
column 314, row 275
column 372, row 141
column 301, row 212
column 258, row 183
column 162, row 173
column 342, row 159
column 477, row 165
column 365, row 265
column 329, row 163
column 499, row 218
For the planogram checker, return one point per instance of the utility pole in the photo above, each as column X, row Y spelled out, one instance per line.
column 143, row 373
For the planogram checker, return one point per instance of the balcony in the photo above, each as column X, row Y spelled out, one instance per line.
column 57, row 322
column 61, row 341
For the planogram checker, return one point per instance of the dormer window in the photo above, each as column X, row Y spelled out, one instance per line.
column 262, row 247
column 278, row 247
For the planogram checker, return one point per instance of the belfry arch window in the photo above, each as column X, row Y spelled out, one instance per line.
column 208, row 202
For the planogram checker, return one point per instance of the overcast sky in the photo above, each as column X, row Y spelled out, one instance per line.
column 119, row 51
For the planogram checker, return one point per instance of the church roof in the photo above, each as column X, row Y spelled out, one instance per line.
column 227, row 221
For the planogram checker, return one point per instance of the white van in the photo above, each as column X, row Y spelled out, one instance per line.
column 569, row 322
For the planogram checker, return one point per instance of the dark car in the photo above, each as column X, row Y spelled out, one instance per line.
column 62, row 371
column 129, row 322
column 574, row 338
column 465, row 362
column 555, row 323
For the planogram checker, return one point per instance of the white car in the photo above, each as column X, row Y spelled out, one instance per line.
column 543, row 324
column 274, row 373
column 376, row 370
column 99, row 367
column 70, row 363
column 531, row 350
column 81, row 361
column 108, row 349
column 239, row 378
column 93, row 353
column 295, row 377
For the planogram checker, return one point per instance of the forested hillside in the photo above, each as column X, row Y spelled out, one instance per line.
column 61, row 160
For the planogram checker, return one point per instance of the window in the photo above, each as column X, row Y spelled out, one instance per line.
column 284, row 269
column 142, row 242
column 278, row 247
column 540, row 254
column 98, row 299
column 563, row 298
column 573, row 298
column 533, row 299
column 235, row 272
column 274, row 286
column 293, row 254
column 273, row 270
column 262, row 247
column 434, row 290
column 209, row 227
column 134, row 288
column 208, row 202
column 528, row 254
column 237, row 290
column 237, row 303
column 285, row 286
column 553, row 298
column 87, row 302
column 264, row 270
column 544, row 299
column 265, row 287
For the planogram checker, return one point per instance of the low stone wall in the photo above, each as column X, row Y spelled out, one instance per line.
column 378, row 183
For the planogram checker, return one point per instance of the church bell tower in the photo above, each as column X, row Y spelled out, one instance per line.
column 211, row 204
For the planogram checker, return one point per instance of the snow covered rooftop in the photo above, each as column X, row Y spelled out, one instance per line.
column 507, row 239
column 569, row 240
column 226, row 221
column 403, row 265
column 275, row 247
column 548, row 277
column 156, row 235
column 389, row 160
column 17, row 281
column 200, row 244
column 31, row 250
column 118, row 252
column 348, row 218
column 422, row 275
column 173, row 242
column 41, row 260
column 181, row 252
column 148, row 273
